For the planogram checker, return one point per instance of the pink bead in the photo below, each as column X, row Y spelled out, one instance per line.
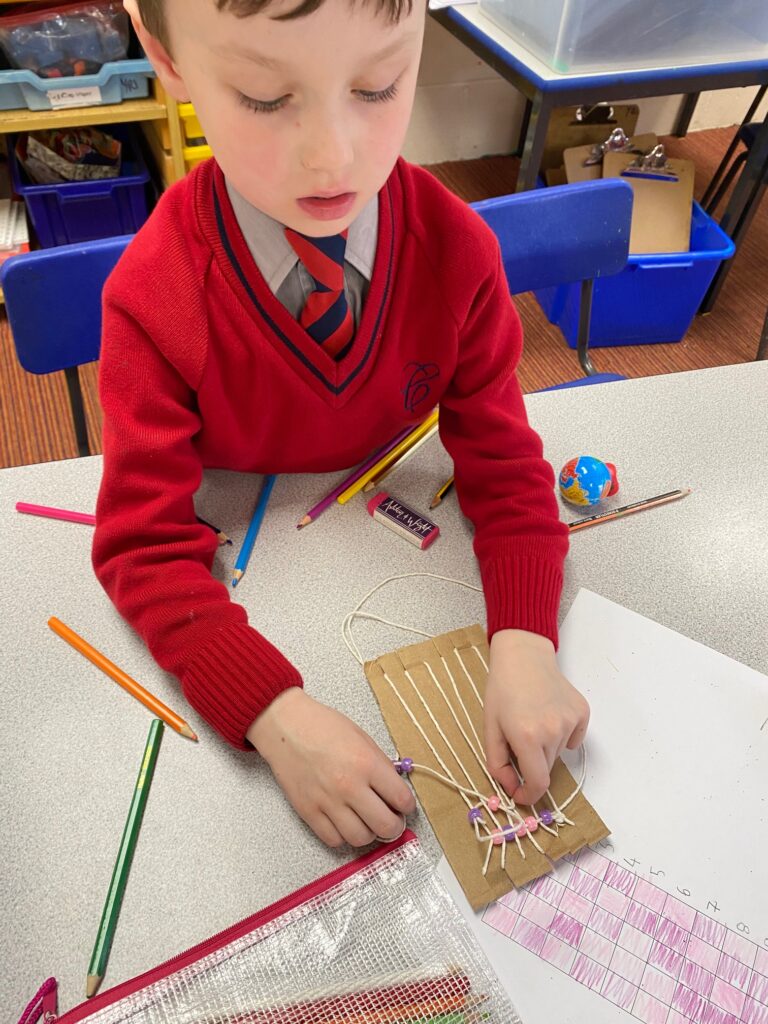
column 498, row 837
column 531, row 824
column 493, row 803
column 522, row 831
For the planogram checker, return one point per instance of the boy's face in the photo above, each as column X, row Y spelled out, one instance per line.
column 305, row 117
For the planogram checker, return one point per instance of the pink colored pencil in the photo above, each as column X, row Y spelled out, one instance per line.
column 56, row 513
column 329, row 499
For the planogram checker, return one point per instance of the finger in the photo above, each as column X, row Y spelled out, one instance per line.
column 497, row 754
column 535, row 772
column 392, row 789
column 351, row 828
column 324, row 829
column 380, row 819
column 579, row 733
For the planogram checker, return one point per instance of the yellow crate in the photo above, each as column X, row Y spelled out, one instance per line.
column 190, row 126
column 194, row 155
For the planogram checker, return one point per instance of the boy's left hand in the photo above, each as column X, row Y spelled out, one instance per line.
column 531, row 711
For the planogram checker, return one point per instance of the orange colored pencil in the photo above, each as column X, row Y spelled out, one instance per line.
column 122, row 678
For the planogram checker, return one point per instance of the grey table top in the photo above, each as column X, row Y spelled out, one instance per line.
column 218, row 840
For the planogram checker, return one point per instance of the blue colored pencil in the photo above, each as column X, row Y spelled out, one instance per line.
column 253, row 530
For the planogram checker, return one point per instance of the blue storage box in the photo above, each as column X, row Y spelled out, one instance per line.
column 114, row 82
column 654, row 299
column 80, row 211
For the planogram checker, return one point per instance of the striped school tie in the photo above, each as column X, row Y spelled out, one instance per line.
column 326, row 316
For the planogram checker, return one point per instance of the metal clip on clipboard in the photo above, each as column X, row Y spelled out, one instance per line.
column 653, row 166
column 617, row 142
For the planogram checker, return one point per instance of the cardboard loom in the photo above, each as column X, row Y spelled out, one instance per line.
column 446, row 810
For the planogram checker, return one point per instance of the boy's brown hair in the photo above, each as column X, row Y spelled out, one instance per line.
column 152, row 13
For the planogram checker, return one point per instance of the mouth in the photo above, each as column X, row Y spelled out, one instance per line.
column 326, row 206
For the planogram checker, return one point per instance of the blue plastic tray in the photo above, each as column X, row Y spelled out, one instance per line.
column 80, row 211
column 654, row 299
column 117, row 81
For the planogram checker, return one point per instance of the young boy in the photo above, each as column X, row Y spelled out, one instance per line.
column 289, row 307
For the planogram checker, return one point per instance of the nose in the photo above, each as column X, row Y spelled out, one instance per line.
column 327, row 144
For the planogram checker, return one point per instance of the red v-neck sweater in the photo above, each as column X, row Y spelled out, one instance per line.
column 201, row 366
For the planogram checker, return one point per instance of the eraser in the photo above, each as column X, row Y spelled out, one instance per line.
column 411, row 525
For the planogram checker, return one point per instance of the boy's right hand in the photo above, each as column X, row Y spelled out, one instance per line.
column 337, row 779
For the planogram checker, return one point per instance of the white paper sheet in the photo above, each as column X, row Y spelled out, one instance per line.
column 678, row 769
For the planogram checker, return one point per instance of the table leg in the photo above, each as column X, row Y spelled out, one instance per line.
column 524, row 127
column 762, row 348
column 741, row 207
column 533, row 148
column 686, row 113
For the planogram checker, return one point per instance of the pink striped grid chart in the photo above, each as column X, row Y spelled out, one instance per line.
column 646, row 951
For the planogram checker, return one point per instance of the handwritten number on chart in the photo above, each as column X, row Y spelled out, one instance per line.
column 712, row 905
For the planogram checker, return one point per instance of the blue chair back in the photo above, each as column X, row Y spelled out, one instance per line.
column 559, row 235
column 562, row 235
column 53, row 301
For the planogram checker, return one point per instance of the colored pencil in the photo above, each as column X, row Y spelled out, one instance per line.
column 405, row 456
column 442, row 492
column 253, row 529
column 392, row 456
column 329, row 499
column 114, row 900
column 121, row 678
column 221, row 536
column 88, row 519
column 627, row 510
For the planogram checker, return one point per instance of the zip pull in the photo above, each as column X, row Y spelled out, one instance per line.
column 44, row 1004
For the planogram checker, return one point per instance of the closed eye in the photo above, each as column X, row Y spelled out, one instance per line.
column 380, row 96
column 263, row 106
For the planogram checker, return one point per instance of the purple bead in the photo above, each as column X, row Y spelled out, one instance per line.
column 546, row 817
column 475, row 814
column 404, row 766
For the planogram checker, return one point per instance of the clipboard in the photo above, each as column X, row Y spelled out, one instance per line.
column 574, row 158
column 661, row 213
column 592, row 125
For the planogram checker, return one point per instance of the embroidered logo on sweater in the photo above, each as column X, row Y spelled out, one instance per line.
column 417, row 388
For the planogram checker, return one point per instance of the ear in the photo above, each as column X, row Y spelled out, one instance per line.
column 158, row 55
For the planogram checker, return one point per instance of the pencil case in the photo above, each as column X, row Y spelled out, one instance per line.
column 377, row 941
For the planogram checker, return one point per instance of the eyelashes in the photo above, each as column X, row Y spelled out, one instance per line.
column 378, row 97
column 272, row 106
column 262, row 106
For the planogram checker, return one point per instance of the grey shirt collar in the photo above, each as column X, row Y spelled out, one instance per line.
column 273, row 254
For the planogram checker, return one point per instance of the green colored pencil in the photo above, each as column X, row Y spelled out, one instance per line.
column 113, row 902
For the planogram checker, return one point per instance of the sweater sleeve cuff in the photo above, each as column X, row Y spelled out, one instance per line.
column 233, row 677
column 522, row 593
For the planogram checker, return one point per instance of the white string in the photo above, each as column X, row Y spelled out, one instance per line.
column 346, row 626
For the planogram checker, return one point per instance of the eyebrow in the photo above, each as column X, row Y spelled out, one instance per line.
column 275, row 65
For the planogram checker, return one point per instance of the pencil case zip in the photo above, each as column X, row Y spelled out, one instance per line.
column 440, row 989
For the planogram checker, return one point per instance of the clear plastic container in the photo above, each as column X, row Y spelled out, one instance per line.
column 602, row 35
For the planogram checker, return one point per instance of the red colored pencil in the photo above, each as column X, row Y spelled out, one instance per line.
column 86, row 518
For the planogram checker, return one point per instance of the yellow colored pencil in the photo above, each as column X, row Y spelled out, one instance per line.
column 398, row 463
column 416, row 434
column 441, row 493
